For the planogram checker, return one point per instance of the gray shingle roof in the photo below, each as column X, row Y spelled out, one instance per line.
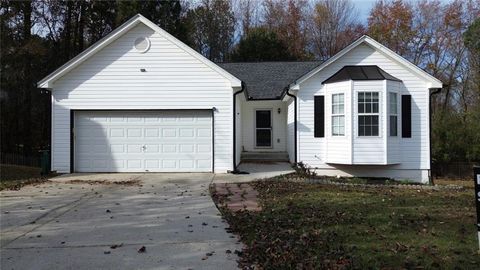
column 360, row 73
column 268, row 80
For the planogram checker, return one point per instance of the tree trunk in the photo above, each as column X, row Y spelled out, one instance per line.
column 27, row 83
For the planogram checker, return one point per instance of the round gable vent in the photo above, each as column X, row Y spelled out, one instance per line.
column 142, row 44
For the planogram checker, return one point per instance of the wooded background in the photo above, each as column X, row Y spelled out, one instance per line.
column 443, row 38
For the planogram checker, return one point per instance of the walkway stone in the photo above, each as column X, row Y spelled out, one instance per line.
column 236, row 196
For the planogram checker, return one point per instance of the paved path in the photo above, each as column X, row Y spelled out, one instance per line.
column 62, row 225
column 256, row 171
column 237, row 196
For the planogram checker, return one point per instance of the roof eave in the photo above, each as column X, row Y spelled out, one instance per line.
column 65, row 68
column 432, row 81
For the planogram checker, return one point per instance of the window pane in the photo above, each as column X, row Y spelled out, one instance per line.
column 263, row 119
column 375, row 108
column 368, row 125
column 361, row 131
column 368, row 130
column 361, row 108
column 393, row 103
column 374, row 130
column 361, row 97
column 368, row 108
column 337, row 104
column 338, row 125
column 393, row 125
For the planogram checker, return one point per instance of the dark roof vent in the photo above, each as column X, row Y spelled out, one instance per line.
column 360, row 73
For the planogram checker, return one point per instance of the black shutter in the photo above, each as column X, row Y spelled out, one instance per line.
column 406, row 116
column 319, row 117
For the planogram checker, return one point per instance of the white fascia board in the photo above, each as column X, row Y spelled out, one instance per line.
column 48, row 80
column 326, row 63
column 432, row 81
column 291, row 91
column 235, row 82
column 65, row 68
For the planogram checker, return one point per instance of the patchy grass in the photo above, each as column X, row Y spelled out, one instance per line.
column 466, row 183
column 14, row 176
column 312, row 226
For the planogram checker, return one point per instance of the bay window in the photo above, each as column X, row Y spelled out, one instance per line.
column 368, row 113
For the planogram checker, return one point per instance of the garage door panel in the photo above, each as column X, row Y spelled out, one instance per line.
column 160, row 141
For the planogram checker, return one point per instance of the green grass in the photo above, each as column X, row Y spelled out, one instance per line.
column 336, row 227
column 14, row 176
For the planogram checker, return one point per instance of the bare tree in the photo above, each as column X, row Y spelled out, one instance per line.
column 214, row 27
column 248, row 13
column 333, row 25
column 289, row 21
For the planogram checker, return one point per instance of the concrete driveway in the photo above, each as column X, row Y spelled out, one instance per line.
column 70, row 224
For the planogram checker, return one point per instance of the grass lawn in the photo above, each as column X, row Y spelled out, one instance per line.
column 14, row 176
column 313, row 226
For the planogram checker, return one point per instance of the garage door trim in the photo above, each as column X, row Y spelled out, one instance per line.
column 72, row 127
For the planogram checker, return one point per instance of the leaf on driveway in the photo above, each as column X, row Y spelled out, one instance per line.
column 142, row 249
column 116, row 246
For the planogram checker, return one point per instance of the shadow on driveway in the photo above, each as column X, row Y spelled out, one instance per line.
column 76, row 226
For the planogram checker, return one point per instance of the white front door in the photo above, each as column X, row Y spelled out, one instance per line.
column 143, row 141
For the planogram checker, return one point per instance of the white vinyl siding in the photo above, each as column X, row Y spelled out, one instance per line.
column 111, row 80
column 291, row 129
column 338, row 148
column 413, row 160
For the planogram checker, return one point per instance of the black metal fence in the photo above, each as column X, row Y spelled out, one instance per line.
column 32, row 160
column 453, row 169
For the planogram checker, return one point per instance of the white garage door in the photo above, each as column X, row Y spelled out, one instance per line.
column 140, row 141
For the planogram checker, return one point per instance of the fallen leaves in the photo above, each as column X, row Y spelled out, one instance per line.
column 114, row 246
column 312, row 226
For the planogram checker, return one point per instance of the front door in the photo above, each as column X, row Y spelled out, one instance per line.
column 263, row 128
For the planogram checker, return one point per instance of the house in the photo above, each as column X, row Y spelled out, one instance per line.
column 139, row 100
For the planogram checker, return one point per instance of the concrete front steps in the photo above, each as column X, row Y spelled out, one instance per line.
column 264, row 156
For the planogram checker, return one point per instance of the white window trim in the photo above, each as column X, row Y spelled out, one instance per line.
column 337, row 114
column 357, row 114
column 390, row 114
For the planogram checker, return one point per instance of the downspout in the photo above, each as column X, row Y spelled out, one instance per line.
column 294, row 123
column 435, row 91
column 235, row 128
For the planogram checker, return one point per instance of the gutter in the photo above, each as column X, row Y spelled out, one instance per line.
column 294, row 123
column 435, row 92
column 235, row 128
